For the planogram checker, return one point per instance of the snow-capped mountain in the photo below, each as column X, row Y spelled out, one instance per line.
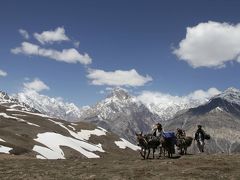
column 167, row 106
column 220, row 117
column 54, row 107
column 14, row 103
column 122, row 114
column 169, row 110
column 229, row 101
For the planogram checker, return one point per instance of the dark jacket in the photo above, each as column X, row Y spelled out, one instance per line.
column 200, row 131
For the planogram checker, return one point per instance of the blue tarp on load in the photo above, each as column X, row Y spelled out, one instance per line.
column 169, row 134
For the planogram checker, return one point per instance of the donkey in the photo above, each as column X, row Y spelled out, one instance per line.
column 183, row 144
column 147, row 142
column 167, row 145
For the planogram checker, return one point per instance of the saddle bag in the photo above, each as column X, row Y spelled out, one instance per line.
column 207, row 136
column 169, row 135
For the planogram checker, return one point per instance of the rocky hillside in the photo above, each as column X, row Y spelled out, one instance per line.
column 220, row 117
column 39, row 136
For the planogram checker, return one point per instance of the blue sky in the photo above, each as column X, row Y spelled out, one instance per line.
column 121, row 35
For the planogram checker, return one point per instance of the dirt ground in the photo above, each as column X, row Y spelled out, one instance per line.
column 186, row 167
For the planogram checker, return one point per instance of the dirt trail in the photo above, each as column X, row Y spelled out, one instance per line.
column 186, row 167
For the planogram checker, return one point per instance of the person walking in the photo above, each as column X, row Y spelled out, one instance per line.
column 200, row 137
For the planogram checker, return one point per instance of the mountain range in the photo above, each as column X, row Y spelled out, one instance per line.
column 124, row 114
column 119, row 112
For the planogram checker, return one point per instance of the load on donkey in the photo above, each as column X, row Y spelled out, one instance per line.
column 183, row 141
column 164, row 140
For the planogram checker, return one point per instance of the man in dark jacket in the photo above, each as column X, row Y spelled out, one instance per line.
column 200, row 137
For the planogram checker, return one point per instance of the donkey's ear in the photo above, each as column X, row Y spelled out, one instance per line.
column 141, row 133
column 136, row 134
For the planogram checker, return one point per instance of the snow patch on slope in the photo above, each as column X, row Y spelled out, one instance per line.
column 18, row 119
column 53, row 141
column 35, row 114
column 123, row 144
column 4, row 149
column 2, row 140
column 83, row 134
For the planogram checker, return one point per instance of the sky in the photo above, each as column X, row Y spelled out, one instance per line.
column 79, row 49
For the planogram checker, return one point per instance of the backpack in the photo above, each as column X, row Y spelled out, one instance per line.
column 207, row 136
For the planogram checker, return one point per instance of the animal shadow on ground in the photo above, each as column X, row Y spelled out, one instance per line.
column 175, row 157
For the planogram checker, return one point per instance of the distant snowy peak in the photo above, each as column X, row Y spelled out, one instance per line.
column 227, row 101
column 4, row 96
column 231, row 95
column 54, row 107
column 122, row 114
column 14, row 103
column 168, row 106
column 119, row 93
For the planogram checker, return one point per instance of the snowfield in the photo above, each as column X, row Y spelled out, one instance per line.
column 123, row 144
column 53, row 141
column 4, row 149
column 83, row 134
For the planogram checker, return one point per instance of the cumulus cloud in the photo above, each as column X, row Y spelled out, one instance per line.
column 210, row 44
column 3, row 73
column 117, row 78
column 76, row 44
column 52, row 36
column 36, row 85
column 66, row 55
column 165, row 100
column 24, row 33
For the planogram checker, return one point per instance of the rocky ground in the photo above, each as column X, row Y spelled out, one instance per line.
column 202, row 166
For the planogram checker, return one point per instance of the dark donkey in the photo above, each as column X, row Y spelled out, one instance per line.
column 147, row 142
column 183, row 144
column 167, row 145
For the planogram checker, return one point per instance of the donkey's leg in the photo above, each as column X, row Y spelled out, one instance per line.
column 160, row 152
column 148, row 152
column 153, row 152
column 185, row 150
column 141, row 153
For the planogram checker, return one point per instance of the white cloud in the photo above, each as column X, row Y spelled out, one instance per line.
column 3, row 73
column 101, row 92
column 66, row 55
column 24, row 33
column 117, row 78
column 210, row 44
column 76, row 44
column 52, row 36
column 36, row 85
column 203, row 95
column 164, row 99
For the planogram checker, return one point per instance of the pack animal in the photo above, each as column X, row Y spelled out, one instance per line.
column 183, row 144
column 147, row 142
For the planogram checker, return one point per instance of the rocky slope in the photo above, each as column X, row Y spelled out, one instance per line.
column 220, row 117
column 39, row 136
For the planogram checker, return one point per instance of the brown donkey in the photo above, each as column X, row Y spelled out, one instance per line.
column 147, row 142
